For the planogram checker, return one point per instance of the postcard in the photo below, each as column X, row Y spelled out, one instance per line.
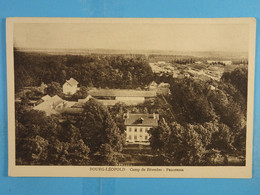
column 130, row 97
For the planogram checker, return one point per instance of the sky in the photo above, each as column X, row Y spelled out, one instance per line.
column 133, row 36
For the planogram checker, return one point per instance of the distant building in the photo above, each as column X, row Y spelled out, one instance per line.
column 110, row 97
column 163, row 89
column 153, row 86
column 70, row 86
column 161, row 62
column 226, row 62
column 138, row 126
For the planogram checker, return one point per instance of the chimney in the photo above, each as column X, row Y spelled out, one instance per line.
column 141, row 119
column 126, row 115
column 154, row 116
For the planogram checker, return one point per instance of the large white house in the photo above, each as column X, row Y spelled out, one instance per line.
column 138, row 126
column 70, row 86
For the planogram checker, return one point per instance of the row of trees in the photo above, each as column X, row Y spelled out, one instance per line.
column 89, row 70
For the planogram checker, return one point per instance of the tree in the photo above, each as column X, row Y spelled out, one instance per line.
column 81, row 93
column 190, row 101
column 107, row 155
column 177, row 146
column 32, row 151
column 98, row 128
column 54, row 89
column 117, row 113
column 222, row 139
column 238, row 78
column 159, row 140
column 187, row 146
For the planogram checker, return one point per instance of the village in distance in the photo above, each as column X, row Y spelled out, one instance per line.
column 130, row 109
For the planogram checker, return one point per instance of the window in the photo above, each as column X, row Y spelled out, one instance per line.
column 129, row 137
column 141, row 130
column 135, row 129
column 146, row 137
column 129, row 129
column 135, row 137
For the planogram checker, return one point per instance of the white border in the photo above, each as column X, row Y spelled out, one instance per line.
column 84, row 171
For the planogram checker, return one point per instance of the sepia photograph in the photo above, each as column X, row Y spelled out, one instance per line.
column 103, row 97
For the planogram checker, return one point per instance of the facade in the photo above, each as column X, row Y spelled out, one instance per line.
column 138, row 126
column 70, row 86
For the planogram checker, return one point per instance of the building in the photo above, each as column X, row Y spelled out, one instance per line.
column 161, row 89
column 153, row 86
column 56, row 105
column 70, row 86
column 226, row 62
column 110, row 97
column 46, row 97
column 50, row 105
column 138, row 126
column 42, row 87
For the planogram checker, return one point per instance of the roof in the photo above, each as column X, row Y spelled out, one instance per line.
column 46, row 97
column 55, row 100
column 153, row 84
column 121, row 93
column 72, row 82
column 49, row 105
column 164, row 85
column 81, row 102
column 141, row 119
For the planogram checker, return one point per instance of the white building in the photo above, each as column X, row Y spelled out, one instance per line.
column 138, row 126
column 70, row 86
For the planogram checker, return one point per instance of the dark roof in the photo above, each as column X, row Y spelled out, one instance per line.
column 121, row 93
column 141, row 119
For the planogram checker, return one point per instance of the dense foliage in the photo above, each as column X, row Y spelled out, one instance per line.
column 201, row 122
column 91, row 137
column 209, row 125
column 121, row 71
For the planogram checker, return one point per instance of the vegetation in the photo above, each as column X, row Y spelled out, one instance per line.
column 121, row 71
column 201, row 122
column 209, row 123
